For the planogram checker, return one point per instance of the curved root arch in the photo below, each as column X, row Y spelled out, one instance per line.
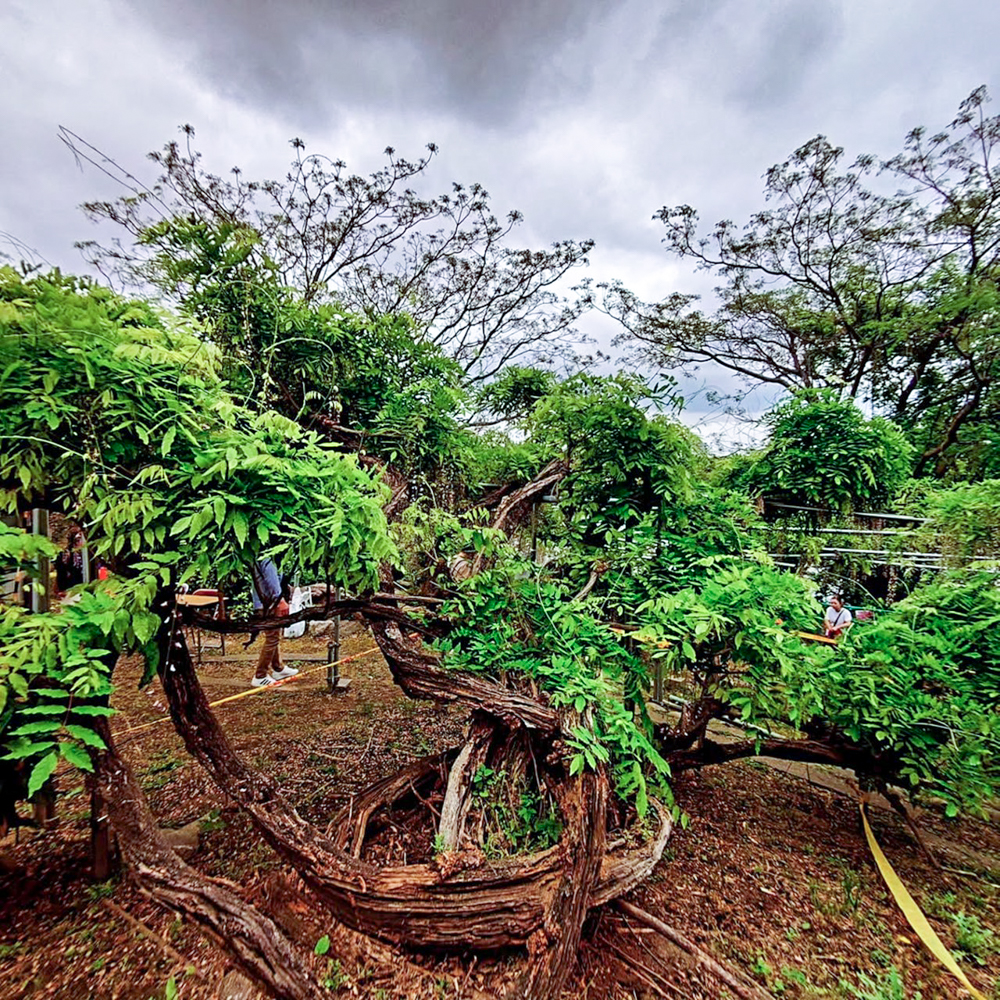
column 479, row 906
column 458, row 898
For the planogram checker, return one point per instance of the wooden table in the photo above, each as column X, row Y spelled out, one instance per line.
column 199, row 601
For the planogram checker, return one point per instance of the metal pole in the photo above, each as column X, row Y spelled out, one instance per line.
column 534, row 533
column 333, row 652
column 854, row 513
column 42, row 584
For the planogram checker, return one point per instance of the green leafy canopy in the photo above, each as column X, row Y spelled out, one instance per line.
column 116, row 415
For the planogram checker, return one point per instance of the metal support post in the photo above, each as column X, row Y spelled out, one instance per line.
column 333, row 653
column 42, row 584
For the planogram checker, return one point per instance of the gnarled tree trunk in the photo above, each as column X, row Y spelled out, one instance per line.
column 255, row 943
column 454, row 901
column 539, row 899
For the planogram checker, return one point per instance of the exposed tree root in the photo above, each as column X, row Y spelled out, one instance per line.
column 253, row 940
column 349, row 827
column 741, row 987
column 806, row 751
column 631, row 970
column 909, row 816
column 484, row 908
column 583, row 802
column 458, row 793
column 457, row 900
column 147, row 932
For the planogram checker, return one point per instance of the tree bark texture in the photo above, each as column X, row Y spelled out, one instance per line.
column 583, row 802
column 518, row 501
column 255, row 943
column 490, row 907
column 458, row 793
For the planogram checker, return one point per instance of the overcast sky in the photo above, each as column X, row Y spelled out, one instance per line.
column 586, row 116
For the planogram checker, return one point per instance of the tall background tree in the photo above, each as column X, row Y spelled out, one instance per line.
column 373, row 244
column 841, row 282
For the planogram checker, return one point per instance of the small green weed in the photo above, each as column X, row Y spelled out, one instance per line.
column 777, row 984
column 213, row 821
column 940, row 904
column 532, row 825
column 888, row 986
column 158, row 773
column 169, row 990
column 973, row 941
column 850, row 886
column 850, row 895
column 796, row 976
column 100, row 890
column 335, row 978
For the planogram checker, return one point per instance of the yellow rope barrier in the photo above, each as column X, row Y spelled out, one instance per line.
column 253, row 690
column 914, row 915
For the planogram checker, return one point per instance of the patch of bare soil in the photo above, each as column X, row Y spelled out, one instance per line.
column 772, row 878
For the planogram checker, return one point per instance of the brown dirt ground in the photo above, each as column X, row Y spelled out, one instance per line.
column 772, row 877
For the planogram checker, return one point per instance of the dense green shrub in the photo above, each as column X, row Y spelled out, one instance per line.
column 823, row 452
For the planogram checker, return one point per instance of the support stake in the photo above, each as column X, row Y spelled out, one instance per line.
column 334, row 681
column 101, row 846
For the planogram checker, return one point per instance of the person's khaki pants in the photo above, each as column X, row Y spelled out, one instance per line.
column 270, row 654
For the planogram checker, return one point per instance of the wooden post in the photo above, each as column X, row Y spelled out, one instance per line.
column 101, row 847
column 657, row 678
column 629, row 644
column 534, row 533
column 43, row 804
column 333, row 653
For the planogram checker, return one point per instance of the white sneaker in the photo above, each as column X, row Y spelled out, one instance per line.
column 259, row 682
column 280, row 675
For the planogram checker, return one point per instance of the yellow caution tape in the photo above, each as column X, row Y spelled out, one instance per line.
column 814, row 637
column 252, row 691
column 914, row 915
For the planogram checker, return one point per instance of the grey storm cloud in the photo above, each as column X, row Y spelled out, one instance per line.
column 791, row 42
column 587, row 115
column 485, row 60
column 489, row 63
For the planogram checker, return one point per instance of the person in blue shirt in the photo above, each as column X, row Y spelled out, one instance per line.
column 268, row 599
